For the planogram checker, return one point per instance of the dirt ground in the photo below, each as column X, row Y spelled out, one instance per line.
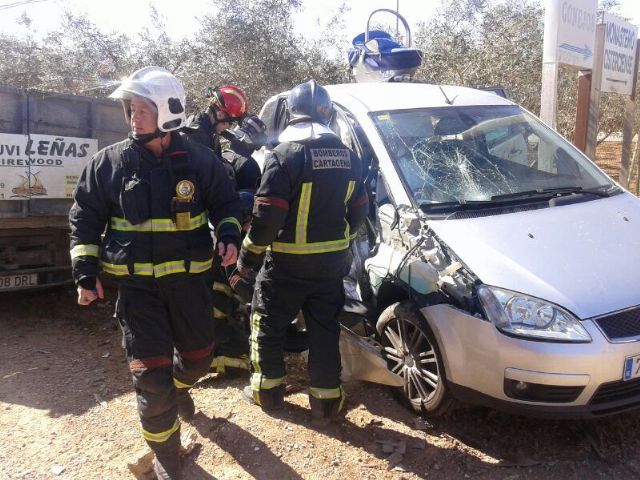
column 67, row 411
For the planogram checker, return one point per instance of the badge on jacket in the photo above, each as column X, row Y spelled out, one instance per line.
column 184, row 194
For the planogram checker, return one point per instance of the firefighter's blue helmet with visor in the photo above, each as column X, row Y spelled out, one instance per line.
column 309, row 102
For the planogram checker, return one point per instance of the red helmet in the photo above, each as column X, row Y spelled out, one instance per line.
column 231, row 100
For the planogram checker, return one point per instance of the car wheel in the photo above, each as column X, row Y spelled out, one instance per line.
column 411, row 351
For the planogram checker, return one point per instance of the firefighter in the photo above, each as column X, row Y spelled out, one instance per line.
column 153, row 195
column 228, row 105
column 230, row 290
column 310, row 203
column 243, row 141
column 232, row 346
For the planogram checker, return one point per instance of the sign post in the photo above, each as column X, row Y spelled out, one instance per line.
column 594, row 96
column 619, row 74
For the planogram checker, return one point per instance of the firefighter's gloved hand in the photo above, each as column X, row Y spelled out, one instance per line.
column 249, row 263
column 88, row 295
column 245, row 271
column 242, row 286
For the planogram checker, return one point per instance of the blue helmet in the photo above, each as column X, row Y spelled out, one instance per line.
column 247, row 199
column 309, row 101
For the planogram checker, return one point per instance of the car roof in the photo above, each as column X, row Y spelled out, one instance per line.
column 399, row 96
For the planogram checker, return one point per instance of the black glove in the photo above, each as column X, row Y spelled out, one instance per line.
column 246, row 272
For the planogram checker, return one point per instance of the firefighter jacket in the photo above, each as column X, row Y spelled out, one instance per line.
column 200, row 129
column 310, row 203
column 155, row 210
column 246, row 170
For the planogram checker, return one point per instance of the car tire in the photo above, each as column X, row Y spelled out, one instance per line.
column 410, row 349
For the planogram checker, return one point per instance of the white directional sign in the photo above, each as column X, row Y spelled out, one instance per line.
column 569, row 32
column 619, row 55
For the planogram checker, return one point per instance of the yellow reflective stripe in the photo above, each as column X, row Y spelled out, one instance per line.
column 253, row 342
column 247, row 244
column 197, row 266
column 219, row 314
column 115, row 269
column 353, row 235
column 167, row 268
column 350, row 188
column 157, row 224
column 179, row 384
column 303, row 213
column 233, row 220
column 88, row 250
column 219, row 363
column 259, row 382
column 162, row 436
column 222, row 288
column 159, row 270
column 143, row 269
column 308, row 248
column 326, row 393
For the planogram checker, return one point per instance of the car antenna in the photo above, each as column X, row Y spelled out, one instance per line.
column 449, row 102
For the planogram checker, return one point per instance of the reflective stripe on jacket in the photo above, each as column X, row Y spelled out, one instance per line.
column 132, row 194
column 310, row 203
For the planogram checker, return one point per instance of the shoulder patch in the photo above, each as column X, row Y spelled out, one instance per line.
column 323, row 158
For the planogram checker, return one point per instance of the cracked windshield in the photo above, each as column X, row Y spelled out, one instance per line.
column 466, row 154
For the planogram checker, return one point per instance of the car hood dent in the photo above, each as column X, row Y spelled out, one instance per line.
column 584, row 257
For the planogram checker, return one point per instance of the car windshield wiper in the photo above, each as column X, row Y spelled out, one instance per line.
column 461, row 204
column 601, row 191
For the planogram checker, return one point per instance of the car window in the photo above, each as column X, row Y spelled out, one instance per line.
column 474, row 153
column 341, row 125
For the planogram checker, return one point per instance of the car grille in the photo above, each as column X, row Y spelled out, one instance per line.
column 615, row 397
column 621, row 325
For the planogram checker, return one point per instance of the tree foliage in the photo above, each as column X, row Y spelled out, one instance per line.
column 250, row 43
column 253, row 44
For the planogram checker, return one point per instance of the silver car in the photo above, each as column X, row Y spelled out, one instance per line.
column 500, row 266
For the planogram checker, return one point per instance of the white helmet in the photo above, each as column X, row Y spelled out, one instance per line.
column 160, row 87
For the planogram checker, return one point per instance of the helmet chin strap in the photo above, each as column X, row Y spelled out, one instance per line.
column 146, row 137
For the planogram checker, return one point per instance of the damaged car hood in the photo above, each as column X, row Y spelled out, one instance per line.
column 584, row 257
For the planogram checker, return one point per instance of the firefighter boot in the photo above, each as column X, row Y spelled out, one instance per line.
column 270, row 400
column 167, row 464
column 167, row 467
column 186, row 407
column 327, row 410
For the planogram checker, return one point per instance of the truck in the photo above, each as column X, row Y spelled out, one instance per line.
column 46, row 139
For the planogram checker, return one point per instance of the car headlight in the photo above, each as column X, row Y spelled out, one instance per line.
column 518, row 314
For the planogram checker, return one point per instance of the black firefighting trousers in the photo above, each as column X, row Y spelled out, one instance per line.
column 168, row 337
column 277, row 300
column 232, row 332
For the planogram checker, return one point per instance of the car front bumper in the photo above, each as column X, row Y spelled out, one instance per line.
column 551, row 379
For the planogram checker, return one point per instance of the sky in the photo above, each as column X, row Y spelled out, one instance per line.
column 128, row 16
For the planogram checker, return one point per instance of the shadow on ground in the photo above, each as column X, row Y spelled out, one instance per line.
column 58, row 356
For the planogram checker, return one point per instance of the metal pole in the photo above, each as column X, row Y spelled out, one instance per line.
column 397, row 19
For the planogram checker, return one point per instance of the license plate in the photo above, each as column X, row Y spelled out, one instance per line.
column 10, row 282
column 631, row 367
